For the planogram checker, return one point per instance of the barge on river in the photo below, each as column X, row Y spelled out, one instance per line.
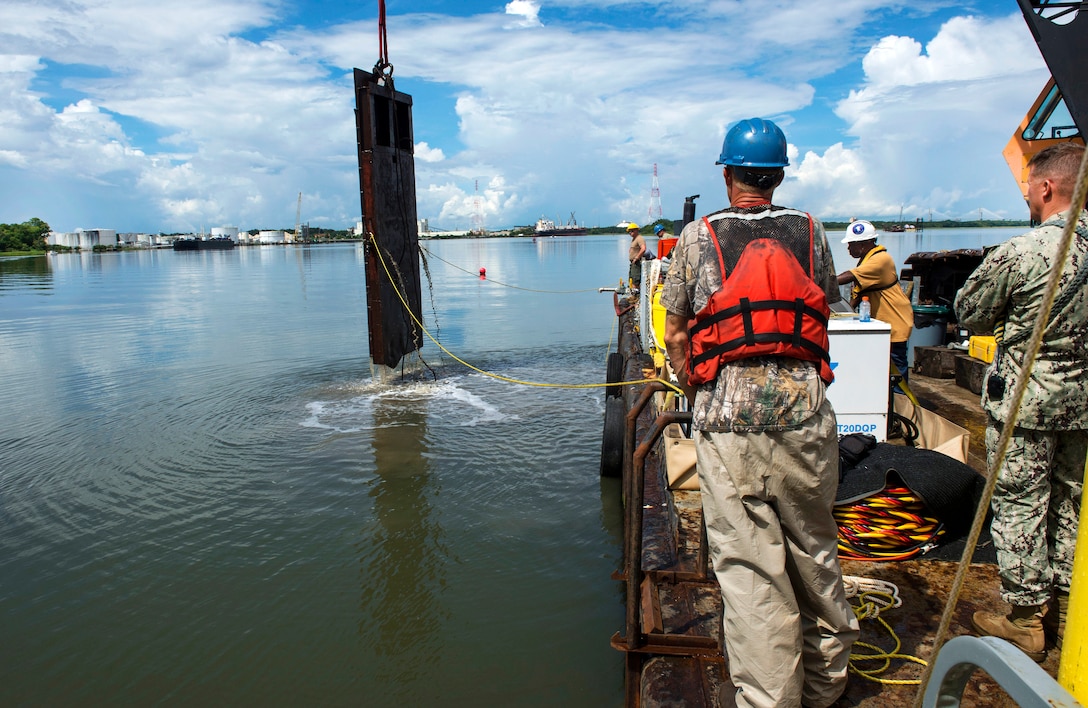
column 215, row 243
column 672, row 632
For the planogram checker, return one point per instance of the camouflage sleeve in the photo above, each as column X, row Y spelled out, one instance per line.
column 678, row 290
column 824, row 265
column 984, row 297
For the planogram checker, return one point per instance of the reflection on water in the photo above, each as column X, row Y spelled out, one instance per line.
column 25, row 273
column 401, row 571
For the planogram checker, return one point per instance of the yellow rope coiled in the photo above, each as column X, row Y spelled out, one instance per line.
column 874, row 598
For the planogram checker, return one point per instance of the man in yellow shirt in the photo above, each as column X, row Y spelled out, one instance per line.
column 876, row 278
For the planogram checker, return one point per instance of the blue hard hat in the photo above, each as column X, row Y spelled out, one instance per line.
column 658, row 229
column 754, row 142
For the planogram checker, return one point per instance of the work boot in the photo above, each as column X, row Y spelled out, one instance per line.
column 1022, row 627
column 1054, row 619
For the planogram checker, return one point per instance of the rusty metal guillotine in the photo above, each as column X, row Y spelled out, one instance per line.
column 387, row 190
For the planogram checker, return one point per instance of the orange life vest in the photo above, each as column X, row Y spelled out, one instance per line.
column 768, row 304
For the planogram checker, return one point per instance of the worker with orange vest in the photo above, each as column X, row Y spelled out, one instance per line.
column 747, row 298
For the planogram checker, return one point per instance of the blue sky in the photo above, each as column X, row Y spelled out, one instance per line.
column 176, row 115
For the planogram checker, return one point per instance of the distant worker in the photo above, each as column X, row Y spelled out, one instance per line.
column 665, row 243
column 1037, row 499
column 635, row 253
column 765, row 434
column 875, row 277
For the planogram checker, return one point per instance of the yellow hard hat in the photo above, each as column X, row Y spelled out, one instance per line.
column 632, row 225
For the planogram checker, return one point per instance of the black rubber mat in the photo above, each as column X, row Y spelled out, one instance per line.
column 949, row 489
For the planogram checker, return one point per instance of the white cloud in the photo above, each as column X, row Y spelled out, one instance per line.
column 426, row 153
column 202, row 110
column 966, row 48
column 527, row 10
column 927, row 122
column 242, row 118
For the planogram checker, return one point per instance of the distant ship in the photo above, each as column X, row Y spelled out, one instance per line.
column 547, row 227
column 215, row 243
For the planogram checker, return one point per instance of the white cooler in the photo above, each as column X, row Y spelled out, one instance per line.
column 859, row 359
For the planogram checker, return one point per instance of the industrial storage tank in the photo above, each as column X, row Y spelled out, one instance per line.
column 271, row 237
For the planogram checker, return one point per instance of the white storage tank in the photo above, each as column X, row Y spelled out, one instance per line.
column 271, row 237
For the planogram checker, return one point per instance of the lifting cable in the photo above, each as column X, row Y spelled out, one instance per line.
column 408, row 309
column 1042, row 320
column 382, row 67
column 431, row 254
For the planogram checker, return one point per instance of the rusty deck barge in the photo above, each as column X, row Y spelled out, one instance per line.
column 672, row 635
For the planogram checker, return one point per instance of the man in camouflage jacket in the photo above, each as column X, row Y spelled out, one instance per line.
column 1036, row 502
column 767, row 457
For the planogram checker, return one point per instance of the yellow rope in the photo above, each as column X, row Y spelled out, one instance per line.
column 1041, row 322
column 872, row 604
column 478, row 370
column 506, row 285
column 875, row 597
column 611, row 331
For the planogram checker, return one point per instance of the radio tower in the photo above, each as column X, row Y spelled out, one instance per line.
column 655, row 200
column 477, row 214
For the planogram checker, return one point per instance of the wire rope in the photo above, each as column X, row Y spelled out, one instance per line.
column 382, row 67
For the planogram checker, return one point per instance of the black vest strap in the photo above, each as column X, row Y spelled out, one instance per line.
column 749, row 307
column 745, row 309
column 765, row 338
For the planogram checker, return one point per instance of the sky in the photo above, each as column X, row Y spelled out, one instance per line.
column 177, row 115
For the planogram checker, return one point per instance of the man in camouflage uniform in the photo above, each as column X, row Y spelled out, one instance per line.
column 767, row 457
column 1036, row 502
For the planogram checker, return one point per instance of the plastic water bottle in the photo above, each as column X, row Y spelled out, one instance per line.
column 864, row 311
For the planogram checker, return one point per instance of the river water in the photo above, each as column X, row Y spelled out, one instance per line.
column 205, row 497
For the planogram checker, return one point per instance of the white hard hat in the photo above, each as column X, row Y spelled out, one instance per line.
column 859, row 231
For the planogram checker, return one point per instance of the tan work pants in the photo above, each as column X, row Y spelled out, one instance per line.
column 767, row 500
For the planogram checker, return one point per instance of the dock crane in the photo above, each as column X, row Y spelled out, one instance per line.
column 1060, row 113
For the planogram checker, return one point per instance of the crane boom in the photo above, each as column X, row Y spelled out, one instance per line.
column 1060, row 113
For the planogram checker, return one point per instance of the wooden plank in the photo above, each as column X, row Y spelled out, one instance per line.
column 970, row 372
column 651, row 607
